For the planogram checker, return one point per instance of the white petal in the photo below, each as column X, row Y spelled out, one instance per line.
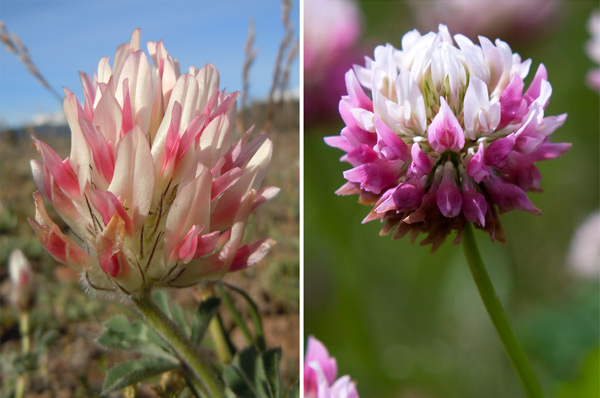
column 195, row 195
column 80, row 152
column 139, row 74
column 133, row 179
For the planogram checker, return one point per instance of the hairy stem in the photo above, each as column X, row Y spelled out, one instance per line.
column 511, row 345
column 194, row 362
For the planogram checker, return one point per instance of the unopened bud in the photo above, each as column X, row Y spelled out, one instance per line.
column 21, row 278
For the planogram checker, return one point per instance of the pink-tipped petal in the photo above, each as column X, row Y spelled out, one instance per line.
column 250, row 254
column 444, row 132
column 389, row 144
column 133, row 179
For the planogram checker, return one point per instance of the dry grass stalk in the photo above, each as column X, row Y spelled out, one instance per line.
column 14, row 45
column 277, row 82
column 250, row 56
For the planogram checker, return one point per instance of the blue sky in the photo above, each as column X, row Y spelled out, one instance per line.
column 65, row 37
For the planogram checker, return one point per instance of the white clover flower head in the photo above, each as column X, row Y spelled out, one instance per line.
column 440, row 133
column 155, row 191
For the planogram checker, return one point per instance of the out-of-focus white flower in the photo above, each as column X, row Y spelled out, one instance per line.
column 593, row 50
column 155, row 190
column 584, row 252
column 510, row 20
column 21, row 278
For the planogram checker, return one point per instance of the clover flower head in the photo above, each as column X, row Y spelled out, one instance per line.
column 584, row 251
column 440, row 133
column 331, row 29
column 510, row 19
column 320, row 371
column 155, row 190
column 593, row 50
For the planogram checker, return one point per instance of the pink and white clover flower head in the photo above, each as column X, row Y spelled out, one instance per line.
column 155, row 190
column 320, row 371
column 441, row 132
column 593, row 50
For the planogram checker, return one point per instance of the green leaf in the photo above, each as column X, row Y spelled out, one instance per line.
column 122, row 335
column 270, row 360
column 206, row 310
column 294, row 391
column 241, row 376
column 127, row 373
column 587, row 382
column 255, row 374
column 254, row 314
column 239, row 383
column 161, row 299
column 179, row 318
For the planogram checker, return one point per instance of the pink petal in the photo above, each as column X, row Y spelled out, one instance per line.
column 264, row 195
column 512, row 105
column 448, row 196
column 60, row 246
column 474, row 204
column 373, row 177
column 444, row 132
column 534, row 90
column 476, row 168
column 509, row 196
column 250, row 254
column 356, row 94
column 389, row 144
column 421, row 164
column 316, row 352
column 61, row 171
column 497, row 153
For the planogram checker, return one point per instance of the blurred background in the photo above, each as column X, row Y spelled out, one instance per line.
column 403, row 322
column 64, row 37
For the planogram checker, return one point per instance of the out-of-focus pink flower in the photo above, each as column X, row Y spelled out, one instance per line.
column 331, row 29
column 320, row 371
column 512, row 20
column 441, row 133
column 21, row 278
column 593, row 50
column 584, row 253
column 154, row 189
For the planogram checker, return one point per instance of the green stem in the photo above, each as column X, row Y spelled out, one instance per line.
column 25, row 348
column 216, row 331
column 511, row 345
column 186, row 351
